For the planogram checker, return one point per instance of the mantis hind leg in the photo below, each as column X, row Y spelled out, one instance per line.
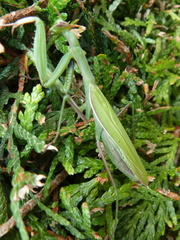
column 113, row 184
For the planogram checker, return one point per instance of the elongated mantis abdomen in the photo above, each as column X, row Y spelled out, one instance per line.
column 117, row 143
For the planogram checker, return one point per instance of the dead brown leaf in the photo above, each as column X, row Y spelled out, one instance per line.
column 101, row 180
column 168, row 194
column 120, row 46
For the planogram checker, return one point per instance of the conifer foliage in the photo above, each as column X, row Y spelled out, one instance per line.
column 133, row 50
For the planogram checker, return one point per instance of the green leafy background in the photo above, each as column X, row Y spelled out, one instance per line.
column 137, row 62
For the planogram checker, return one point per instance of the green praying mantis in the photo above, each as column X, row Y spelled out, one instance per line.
column 109, row 129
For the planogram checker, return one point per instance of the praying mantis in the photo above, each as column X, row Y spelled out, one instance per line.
column 109, row 129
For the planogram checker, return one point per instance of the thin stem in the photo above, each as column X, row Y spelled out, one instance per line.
column 113, row 184
column 124, row 108
column 76, row 108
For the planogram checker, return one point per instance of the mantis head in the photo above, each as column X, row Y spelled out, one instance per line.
column 62, row 26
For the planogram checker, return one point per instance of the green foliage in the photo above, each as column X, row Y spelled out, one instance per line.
column 38, row 227
column 15, row 208
column 84, row 206
column 57, row 6
column 21, row 133
column 9, row 71
column 16, row 4
column 30, row 103
column 148, row 218
column 3, row 205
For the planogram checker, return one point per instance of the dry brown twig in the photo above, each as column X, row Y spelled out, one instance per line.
column 28, row 206
column 29, row 11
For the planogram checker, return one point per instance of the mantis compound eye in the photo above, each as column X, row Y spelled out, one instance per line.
column 61, row 24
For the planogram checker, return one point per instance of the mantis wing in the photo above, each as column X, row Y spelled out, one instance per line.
column 116, row 141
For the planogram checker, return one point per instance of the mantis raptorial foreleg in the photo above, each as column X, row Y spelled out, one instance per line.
column 65, row 98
